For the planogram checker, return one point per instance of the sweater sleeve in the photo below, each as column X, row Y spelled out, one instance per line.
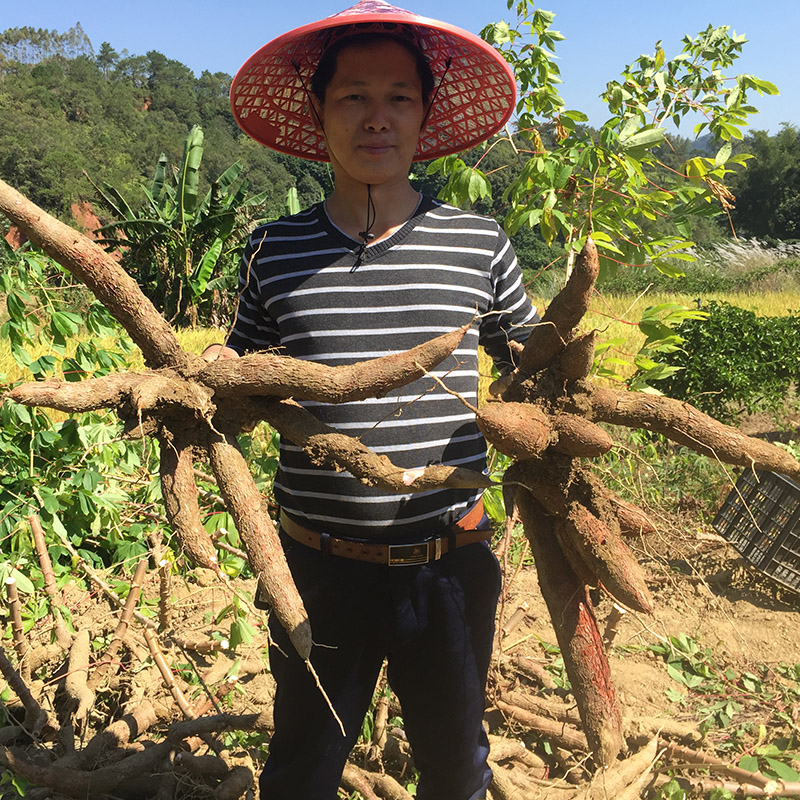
column 253, row 328
column 512, row 314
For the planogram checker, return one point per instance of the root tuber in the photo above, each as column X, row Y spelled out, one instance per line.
column 684, row 424
column 519, row 430
column 586, row 540
column 180, row 499
column 260, row 539
column 577, row 633
column 549, row 339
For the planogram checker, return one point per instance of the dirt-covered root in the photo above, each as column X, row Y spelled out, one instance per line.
column 76, row 688
column 85, row 783
column 179, row 490
column 503, row 749
column 577, row 437
column 373, row 785
column 684, row 424
column 519, row 430
column 235, row 784
column 36, row 718
column 75, row 397
column 632, row 520
column 598, row 556
column 280, row 376
column 548, row 339
column 323, row 445
column 561, row 734
column 624, row 779
column 585, row 518
column 577, row 632
column 91, row 265
column 119, row 733
column 260, row 539
column 576, row 362
column 525, row 431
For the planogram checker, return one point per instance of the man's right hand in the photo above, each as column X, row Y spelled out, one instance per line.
column 218, row 352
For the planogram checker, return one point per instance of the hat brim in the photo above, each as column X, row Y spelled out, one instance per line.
column 475, row 100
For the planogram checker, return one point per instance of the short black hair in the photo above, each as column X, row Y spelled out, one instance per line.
column 328, row 63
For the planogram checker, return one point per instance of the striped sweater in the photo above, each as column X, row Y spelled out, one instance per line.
column 300, row 292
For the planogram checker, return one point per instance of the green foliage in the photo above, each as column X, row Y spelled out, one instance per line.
column 77, row 474
column 652, row 472
column 570, row 181
column 746, row 705
column 661, row 339
column 733, row 361
column 181, row 248
column 68, row 112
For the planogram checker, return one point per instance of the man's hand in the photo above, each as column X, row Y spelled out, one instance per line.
column 218, row 352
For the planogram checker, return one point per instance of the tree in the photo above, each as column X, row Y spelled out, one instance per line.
column 29, row 45
column 768, row 193
column 183, row 244
column 106, row 58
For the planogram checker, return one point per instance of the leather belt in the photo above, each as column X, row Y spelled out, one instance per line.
column 458, row 534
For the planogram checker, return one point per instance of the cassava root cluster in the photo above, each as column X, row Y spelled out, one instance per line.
column 545, row 416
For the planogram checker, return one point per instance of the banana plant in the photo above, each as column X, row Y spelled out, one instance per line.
column 180, row 246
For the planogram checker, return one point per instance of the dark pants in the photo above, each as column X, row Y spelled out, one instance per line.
column 434, row 623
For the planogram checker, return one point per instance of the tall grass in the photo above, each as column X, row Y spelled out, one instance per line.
column 615, row 316
column 194, row 340
column 731, row 266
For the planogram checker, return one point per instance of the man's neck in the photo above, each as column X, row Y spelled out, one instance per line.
column 391, row 207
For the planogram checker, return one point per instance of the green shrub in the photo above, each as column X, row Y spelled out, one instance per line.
column 734, row 361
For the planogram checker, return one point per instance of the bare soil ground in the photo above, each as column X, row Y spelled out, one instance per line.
column 701, row 587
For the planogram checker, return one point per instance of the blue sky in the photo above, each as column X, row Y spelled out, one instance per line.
column 601, row 37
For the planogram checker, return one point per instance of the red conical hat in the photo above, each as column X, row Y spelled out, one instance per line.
column 475, row 99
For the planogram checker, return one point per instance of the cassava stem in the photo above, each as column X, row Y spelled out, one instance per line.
column 167, row 676
column 63, row 636
column 107, row 666
column 17, row 632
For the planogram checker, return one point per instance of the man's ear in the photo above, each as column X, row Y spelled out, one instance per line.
column 427, row 110
column 317, row 114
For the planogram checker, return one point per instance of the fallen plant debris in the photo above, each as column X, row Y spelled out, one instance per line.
column 545, row 416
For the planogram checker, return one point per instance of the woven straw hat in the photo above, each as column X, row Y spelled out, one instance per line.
column 474, row 101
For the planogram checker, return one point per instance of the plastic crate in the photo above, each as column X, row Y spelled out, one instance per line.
column 761, row 519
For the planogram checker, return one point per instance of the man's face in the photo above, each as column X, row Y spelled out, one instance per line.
column 372, row 113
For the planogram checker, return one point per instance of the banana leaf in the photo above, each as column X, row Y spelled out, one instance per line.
column 292, row 201
column 159, row 177
column 205, row 268
column 188, row 177
column 112, row 200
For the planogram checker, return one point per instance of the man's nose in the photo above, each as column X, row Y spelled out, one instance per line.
column 378, row 117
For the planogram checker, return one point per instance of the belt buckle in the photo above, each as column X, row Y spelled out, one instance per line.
column 408, row 555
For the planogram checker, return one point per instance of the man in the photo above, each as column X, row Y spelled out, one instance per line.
column 378, row 268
